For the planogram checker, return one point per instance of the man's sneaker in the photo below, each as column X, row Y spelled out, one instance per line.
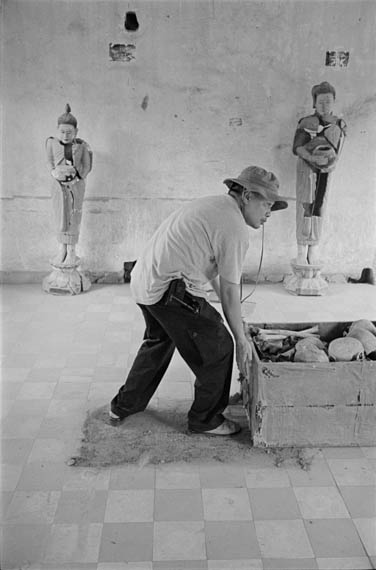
column 227, row 427
column 114, row 417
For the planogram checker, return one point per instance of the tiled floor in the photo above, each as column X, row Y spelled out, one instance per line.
column 64, row 355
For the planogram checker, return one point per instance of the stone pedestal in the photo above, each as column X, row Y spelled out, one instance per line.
column 66, row 279
column 305, row 280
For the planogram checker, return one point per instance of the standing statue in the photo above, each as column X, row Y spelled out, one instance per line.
column 318, row 142
column 70, row 160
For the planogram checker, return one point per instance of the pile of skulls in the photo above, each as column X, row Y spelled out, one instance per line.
column 283, row 345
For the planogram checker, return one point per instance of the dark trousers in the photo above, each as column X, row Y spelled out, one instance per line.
column 206, row 346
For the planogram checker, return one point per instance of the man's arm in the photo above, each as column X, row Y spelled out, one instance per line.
column 230, row 299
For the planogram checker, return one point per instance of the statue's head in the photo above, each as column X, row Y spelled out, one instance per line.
column 67, row 126
column 323, row 96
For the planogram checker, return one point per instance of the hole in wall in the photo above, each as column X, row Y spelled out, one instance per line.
column 131, row 23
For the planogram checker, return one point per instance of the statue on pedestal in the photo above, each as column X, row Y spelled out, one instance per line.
column 318, row 142
column 70, row 161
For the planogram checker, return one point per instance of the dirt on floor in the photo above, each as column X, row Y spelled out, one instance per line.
column 157, row 436
column 161, row 436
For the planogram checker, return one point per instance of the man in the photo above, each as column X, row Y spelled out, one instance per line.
column 204, row 240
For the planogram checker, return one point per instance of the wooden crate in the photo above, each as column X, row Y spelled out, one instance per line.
column 310, row 404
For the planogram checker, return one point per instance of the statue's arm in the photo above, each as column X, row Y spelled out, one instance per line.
column 55, row 162
column 84, row 167
column 343, row 126
column 50, row 155
column 298, row 148
column 300, row 139
column 303, row 153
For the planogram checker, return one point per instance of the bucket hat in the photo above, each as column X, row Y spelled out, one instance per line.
column 259, row 180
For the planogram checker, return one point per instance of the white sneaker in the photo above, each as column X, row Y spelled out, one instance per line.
column 227, row 427
column 114, row 416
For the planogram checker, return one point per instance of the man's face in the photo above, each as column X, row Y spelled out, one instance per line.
column 66, row 133
column 324, row 103
column 256, row 210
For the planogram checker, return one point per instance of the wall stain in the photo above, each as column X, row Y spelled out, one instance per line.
column 77, row 26
column 360, row 109
column 195, row 90
column 235, row 122
column 281, row 146
column 121, row 52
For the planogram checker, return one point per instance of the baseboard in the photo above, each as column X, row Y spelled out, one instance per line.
column 22, row 277
column 25, row 277
column 123, row 276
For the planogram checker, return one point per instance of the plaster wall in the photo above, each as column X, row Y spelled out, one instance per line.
column 212, row 87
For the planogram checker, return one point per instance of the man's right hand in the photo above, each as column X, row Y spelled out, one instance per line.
column 243, row 355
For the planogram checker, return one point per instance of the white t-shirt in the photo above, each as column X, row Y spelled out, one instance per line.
column 203, row 239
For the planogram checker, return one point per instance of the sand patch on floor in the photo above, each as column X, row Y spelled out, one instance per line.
column 158, row 436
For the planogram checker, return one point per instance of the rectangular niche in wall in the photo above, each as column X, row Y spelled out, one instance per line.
column 337, row 58
column 122, row 52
